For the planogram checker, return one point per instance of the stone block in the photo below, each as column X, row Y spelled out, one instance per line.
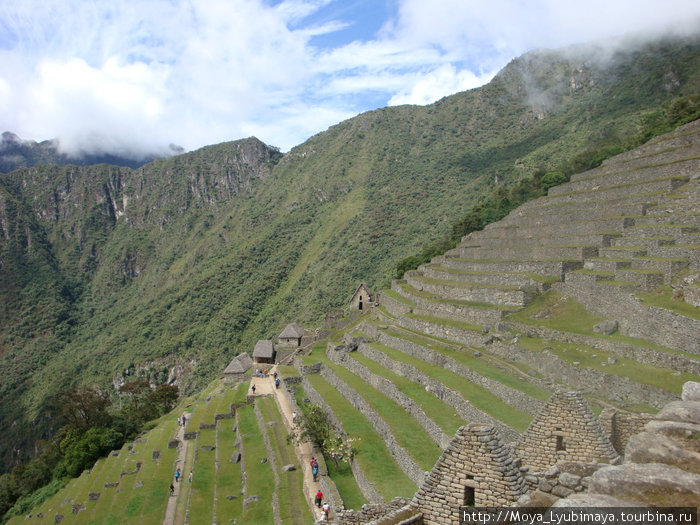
column 691, row 391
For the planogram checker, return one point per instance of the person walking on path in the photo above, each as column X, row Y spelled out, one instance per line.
column 172, row 489
column 189, row 478
column 319, row 498
column 326, row 510
column 253, row 389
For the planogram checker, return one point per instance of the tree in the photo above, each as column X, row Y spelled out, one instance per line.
column 84, row 407
column 315, row 425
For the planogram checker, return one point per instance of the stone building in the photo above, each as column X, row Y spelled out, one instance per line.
column 290, row 336
column 565, row 430
column 476, row 469
column 238, row 367
column 264, row 352
column 361, row 298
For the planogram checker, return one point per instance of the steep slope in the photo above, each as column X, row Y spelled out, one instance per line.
column 172, row 268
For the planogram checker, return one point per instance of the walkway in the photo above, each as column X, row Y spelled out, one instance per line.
column 304, row 451
column 179, row 462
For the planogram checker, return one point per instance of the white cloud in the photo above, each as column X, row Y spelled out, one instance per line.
column 122, row 76
column 443, row 81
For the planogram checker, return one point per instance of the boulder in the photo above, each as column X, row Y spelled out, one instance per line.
column 606, row 327
column 536, row 498
column 288, row 468
column 687, row 435
column 654, row 484
column 593, row 500
column 685, row 411
column 691, row 391
column 648, row 447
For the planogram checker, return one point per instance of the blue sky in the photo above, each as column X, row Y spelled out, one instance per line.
column 128, row 76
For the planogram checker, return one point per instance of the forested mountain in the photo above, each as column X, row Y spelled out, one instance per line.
column 170, row 269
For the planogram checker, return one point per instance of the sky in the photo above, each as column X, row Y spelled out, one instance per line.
column 131, row 77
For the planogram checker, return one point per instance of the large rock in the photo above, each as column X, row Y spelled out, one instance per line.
column 648, row 447
column 685, row 411
column 686, row 435
column 651, row 484
column 691, row 391
column 606, row 327
column 593, row 500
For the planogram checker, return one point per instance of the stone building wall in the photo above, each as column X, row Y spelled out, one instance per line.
column 371, row 512
column 565, row 430
column 620, row 426
column 475, row 470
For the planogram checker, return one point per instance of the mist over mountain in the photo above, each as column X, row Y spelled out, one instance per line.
column 170, row 269
column 17, row 153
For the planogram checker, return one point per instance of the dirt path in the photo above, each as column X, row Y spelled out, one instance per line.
column 179, row 462
column 304, row 452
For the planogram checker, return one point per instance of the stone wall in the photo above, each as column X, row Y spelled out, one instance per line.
column 388, row 388
column 647, row 356
column 401, row 456
column 475, row 470
column 565, row 430
column 464, row 408
column 647, row 322
column 367, row 488
column 620, row 426
column 612, row 386
column 566, row 478
column 508, row 395
column 372, row 512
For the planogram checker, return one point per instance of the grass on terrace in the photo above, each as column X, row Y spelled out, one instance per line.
column 373, row 456
column 294, row 509
column 341, row 475
column 480, row 397
column 259, row 478
column 664, row 297
column 407, row 431
column 478, row 365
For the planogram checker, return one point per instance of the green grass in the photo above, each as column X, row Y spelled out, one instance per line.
column 596, row 359
column 259, row 478
column 201, row 502
column 373, row 457
column 478, row 365
column 342, row 476
column 480, row 397
column 664, row 297
column 441, row 413
column 293, row 506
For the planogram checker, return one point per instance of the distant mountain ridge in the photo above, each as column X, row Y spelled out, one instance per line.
column 172, row 268
column 17, row 153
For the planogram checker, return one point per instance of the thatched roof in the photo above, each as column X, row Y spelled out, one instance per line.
column 264, row 349
column 293, row 331
column 240, row 364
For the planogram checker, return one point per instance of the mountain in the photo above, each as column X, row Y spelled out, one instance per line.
column 168, row 270
column 16, row 153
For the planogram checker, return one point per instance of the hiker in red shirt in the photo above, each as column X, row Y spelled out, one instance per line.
column 319, row 498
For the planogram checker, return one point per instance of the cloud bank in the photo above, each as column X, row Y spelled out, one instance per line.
column 128, row 77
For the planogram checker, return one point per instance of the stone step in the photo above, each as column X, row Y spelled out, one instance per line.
column 665, row 185
column 646, row 243
column 474, row 292
column 588, row 277
column 563, row 239
column 434, row 271
column 622, row 252
column 553, row 268
column 625, row 174
column 668, row 266
column 564, row 223
column 630, row 205
column 689, row 252
column 658, row 218
column 564, row 253
column 670, row 146
column 442, row 328
column 435, row 306
column 604, row 264
column 648, row 280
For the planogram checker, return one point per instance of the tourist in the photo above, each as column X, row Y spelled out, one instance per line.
column 319, row 498
column 326, row 510
column 189, row 478
column 172, row 489
column 253, row 389
column 314, row 470
column 294, row 418
column 277, row 383
column 177, row 475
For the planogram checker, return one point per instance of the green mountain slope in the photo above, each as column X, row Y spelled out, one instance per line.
column 169, row 270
